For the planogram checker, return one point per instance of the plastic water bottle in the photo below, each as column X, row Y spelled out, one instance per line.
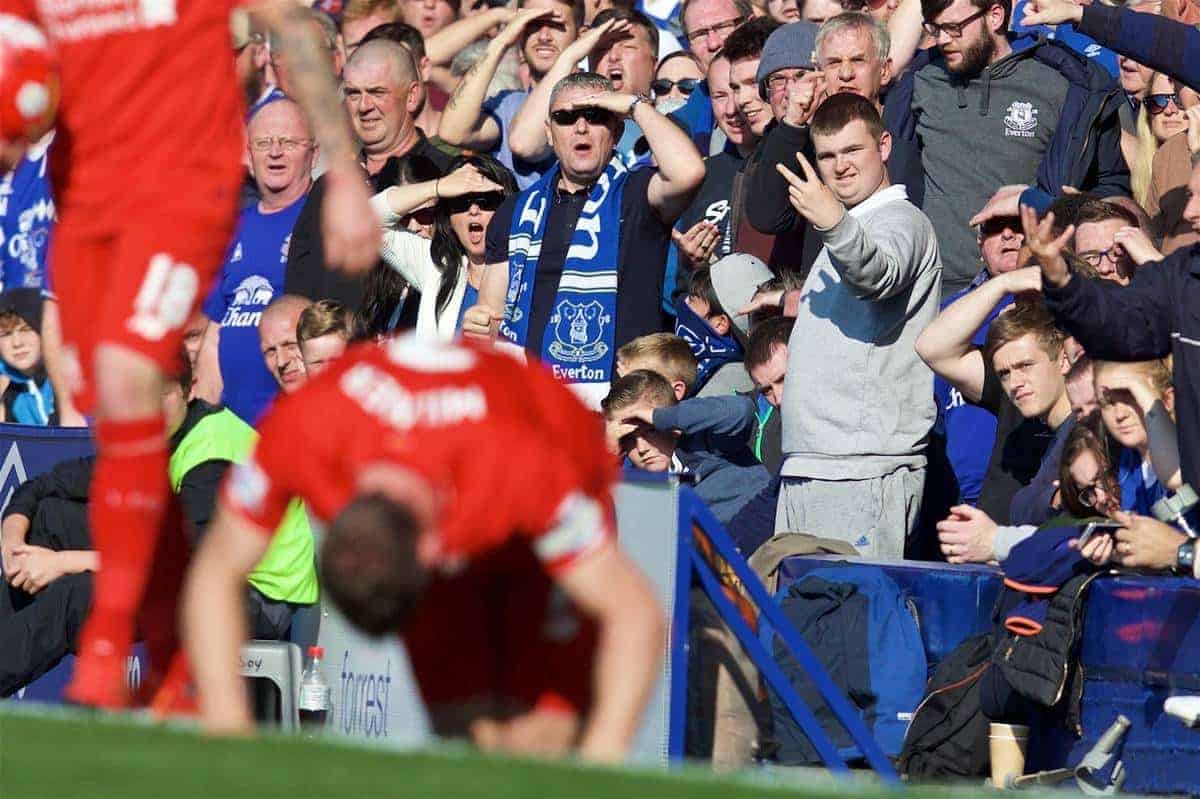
column 314, row 693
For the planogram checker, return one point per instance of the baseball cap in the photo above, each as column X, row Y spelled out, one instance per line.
column 735, row 278
column 790, row 46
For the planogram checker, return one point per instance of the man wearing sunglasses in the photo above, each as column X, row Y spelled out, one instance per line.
column 576, row 261
column 985, row 116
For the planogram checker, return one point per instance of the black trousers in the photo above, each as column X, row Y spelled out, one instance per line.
column 37, row 630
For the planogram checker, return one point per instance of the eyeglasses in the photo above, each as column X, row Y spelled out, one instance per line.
column 268, row 143
column 778, row 82
column 486, row 202
column 953, row 29
column 700, row 34
column 594, row 116
column 1093, row 257
column 663, row 86
column 1157, row 103
column 1090, row 495
column 999, row 224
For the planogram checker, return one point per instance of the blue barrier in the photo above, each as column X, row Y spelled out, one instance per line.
column 697, row 526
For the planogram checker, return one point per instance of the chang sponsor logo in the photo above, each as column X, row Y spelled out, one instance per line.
column 362, row 707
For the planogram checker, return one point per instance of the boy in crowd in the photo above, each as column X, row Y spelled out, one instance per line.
column 665, row 354
column 27, row 396
column 708, row 437
column 716, row 334
column 323, row 332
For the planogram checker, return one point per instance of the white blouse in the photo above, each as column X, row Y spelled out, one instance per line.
column 411, row 256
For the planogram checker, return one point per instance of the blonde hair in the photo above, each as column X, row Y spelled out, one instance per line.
column 325, row 317
column 664, row 353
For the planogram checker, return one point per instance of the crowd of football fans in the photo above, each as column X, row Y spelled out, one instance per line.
column 912, row 274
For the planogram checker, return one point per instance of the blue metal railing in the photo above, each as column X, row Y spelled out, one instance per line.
column 692, row 562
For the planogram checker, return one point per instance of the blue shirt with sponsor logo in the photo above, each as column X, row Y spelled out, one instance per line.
column 251, row 277
column 26, row 221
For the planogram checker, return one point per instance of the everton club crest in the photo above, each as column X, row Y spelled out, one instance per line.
column 579, row 331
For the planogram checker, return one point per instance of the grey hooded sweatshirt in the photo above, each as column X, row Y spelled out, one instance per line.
column 859, row 402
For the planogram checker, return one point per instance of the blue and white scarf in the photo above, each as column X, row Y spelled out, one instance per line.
column 712, row 350
column 578, row 341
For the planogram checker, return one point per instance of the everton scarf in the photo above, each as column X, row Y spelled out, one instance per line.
column 578, row 341
column 712, row 350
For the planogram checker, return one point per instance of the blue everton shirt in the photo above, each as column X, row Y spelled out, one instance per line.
column 26, row 220
column 251, row 277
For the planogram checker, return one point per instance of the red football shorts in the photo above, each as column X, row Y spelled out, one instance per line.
column 135, row 282
column 502, row 630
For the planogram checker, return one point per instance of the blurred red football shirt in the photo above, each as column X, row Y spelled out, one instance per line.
column 510, row 452
column 149, row 93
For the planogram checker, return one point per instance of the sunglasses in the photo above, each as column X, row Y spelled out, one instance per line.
column 422, row 216
column 486, row 202
column 663, row 86
column 998, row 224
column 1157, row 103
column 593, row 115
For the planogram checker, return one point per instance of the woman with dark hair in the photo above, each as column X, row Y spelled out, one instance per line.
column 389, row 303
column 1087, row 472
column 448, row 268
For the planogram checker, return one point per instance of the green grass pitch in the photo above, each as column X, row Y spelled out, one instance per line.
column 58, row 755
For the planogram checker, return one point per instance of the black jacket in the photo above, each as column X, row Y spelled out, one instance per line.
column 307, row 274
column 1158, row 313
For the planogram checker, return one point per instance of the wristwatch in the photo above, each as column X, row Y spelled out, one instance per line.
column 637, row 98
column 1185, row 557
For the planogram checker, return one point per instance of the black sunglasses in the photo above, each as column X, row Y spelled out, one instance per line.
column 663, row 86
column 422, row 216
column 486, row 202
column 1157, row 103
column 593, row 115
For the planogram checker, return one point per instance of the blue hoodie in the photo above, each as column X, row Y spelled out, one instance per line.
column 29, row 399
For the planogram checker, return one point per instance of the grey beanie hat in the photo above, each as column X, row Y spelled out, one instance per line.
column 790, row 46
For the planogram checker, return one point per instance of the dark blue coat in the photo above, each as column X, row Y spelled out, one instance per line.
column 1158, row 313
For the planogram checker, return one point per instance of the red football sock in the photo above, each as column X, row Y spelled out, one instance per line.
column 127, row 504
column 158, row 618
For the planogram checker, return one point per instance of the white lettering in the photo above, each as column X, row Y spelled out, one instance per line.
column 380, row 395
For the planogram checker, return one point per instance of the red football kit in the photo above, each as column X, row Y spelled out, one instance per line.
column 146, row 172
column 521, row 477
column 146, row 166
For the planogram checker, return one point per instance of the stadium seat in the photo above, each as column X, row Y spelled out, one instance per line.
column 279, row 662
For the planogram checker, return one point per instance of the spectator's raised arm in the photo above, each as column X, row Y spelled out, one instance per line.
column 528, row 138
column 945, row 345
column 464, row 123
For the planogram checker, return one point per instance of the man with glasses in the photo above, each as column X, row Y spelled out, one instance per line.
column 230, row 364
column 706, row 24
column 576, row 261
column 382, row 92
column 985, row 116
column 1109, row 243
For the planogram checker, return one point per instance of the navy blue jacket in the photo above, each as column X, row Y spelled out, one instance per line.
column 1163, row 44
column 1158, row 313
column 716, row 446
column 1085, row 151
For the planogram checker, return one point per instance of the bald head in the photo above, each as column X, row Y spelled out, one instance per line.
column 383, row 94
column 282, row 152
column 277, row 339
column 395, row 60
